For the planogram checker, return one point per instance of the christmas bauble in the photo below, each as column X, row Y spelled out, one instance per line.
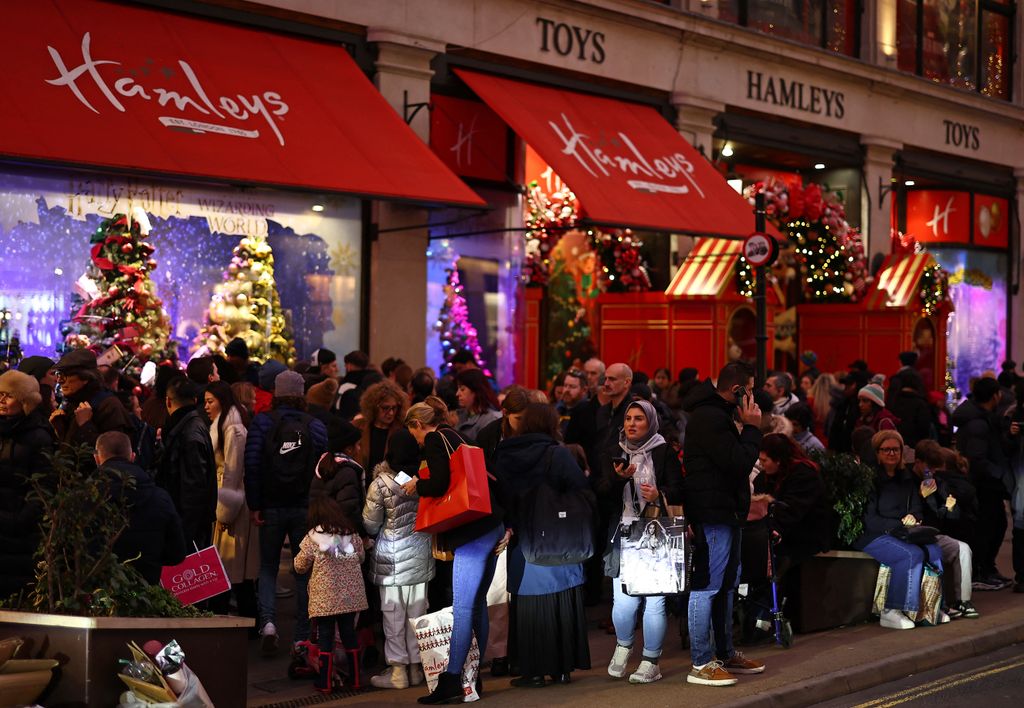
column 241, row 299
column 146, row 349
column 245, row 243
column 127, row 248
column 113, row 290
column 151, row 263
column 232, row 269
column 257, row 267
column 240, row 276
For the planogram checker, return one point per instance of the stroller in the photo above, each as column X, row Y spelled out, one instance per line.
column 752, row 610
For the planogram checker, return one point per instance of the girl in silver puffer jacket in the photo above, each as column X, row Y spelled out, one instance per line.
column 401, row 563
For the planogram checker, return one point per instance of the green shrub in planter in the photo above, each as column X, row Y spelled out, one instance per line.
column 77, row 572
column 848, row 482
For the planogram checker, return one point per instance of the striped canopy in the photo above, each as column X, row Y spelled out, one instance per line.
column 898, row 281
column 707, row 269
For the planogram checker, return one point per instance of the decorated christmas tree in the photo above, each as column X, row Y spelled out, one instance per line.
column 455, row 330
column 119, row 302
column 247, row 305
column 829, row 252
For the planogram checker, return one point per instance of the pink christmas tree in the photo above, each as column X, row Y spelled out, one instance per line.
column 454, row 328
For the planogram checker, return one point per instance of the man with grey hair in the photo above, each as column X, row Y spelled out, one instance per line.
column 594, row 369
column 779, row 386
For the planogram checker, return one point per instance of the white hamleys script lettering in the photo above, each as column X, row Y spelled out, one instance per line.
column 242, row 108
column 634, row 162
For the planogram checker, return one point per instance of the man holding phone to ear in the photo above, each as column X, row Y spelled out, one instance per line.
column 723, row 440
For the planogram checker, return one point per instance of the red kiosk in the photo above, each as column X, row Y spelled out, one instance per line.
column 889, row 320
column 700, row 321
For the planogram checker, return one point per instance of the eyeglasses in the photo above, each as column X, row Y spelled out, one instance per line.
column 387, row 409
column 890, row 450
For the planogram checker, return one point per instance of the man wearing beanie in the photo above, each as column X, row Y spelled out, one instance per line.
column 265, row 386
column 324, row 362
column 282, row 450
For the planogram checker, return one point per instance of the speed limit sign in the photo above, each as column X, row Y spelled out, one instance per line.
column 760, row 249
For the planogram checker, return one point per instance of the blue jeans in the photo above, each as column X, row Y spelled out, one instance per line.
column 472, row 573
column 906, row 564
column 710, row 608
column 624, row 610
column 279, row 523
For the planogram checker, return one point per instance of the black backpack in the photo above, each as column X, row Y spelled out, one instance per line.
column 558, row 524
column 288, row 456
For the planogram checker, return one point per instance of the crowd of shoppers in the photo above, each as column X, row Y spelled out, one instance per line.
column 333, row 462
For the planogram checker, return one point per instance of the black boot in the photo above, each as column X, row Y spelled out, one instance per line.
column 324, row 681
column 448, row 690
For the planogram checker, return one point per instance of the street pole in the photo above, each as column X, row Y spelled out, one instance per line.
column 760, row 299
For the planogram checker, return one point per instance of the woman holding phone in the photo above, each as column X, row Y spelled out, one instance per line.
column 646, row 469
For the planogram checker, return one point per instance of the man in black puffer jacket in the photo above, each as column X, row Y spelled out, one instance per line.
column 186, row 467
column 153, row 538
column 718, row 459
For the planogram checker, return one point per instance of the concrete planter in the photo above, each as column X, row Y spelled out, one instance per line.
column 89, row 649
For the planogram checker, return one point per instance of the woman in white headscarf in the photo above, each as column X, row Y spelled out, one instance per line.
column 647, row 469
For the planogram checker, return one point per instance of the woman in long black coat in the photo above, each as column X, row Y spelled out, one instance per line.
column 25, row 437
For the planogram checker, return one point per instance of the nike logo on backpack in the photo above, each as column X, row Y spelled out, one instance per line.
column 290, row 447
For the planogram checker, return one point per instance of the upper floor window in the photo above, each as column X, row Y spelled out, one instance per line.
column 964, row 43
column 829, row 24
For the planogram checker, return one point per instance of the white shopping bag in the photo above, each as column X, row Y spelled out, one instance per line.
column 434, row 635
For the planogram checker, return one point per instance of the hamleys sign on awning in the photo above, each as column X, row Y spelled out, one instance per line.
column 625, row 162
column 116, row 85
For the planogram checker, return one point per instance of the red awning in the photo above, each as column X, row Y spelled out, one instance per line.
column 897, row 282
column 117, row 85
column 626, row 163
column 707, row 269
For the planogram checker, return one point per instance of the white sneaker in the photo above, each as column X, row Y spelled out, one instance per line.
column 943, row 617
column 617, row 666
column 647, row 672
column 268, row 639
column 894, row 619
column 392, row 677
column 416, row 677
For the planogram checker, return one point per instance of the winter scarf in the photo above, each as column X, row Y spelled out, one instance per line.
column 639, row 454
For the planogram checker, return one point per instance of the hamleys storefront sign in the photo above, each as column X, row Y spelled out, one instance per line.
column 119, row 85
column 227, row 115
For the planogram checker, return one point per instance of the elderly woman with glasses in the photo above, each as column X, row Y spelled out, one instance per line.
column 895, row 502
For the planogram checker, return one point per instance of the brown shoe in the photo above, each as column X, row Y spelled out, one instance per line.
column 712, row 674
column 740, row 664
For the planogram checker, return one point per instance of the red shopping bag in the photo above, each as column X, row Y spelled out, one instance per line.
column 468, row 497
column 199, row 577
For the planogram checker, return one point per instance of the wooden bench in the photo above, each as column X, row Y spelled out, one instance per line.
column 830, row 590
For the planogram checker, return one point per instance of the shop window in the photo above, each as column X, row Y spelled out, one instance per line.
column 829, row 24
column 963, row 43
column 47, row 219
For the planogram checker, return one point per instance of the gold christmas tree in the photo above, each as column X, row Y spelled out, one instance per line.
column 247, row 305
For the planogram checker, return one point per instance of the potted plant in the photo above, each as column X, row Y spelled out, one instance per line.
column 86, row 603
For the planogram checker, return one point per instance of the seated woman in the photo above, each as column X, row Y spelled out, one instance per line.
column 895, row 502
column 942, row 510
column 796, row 494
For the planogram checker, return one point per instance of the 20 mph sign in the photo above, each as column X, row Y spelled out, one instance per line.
column 760, row 249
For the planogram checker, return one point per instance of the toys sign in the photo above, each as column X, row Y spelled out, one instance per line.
column 760, row 249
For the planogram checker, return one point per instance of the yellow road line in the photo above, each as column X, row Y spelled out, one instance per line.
column 916, row 692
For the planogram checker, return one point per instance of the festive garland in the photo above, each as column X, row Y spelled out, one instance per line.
column 829, row 251
column 934, row 289
column 623, row 268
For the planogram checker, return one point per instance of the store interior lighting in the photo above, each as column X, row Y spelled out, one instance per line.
column 909, row 183
column 318, row 207
column 819, row 165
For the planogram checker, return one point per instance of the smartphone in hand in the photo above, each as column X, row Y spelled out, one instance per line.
column 402, row 478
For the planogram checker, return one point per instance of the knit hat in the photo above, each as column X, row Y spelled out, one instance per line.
column 874, row 393
column 322, row 357
column 23, row 387
column 403, row 453
column 268, row 372
column 237, row 347
column 77, row 359
column 288, row 384
column 809, row 358
column 36, row 366
column 323, row 393
column 341, row 434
